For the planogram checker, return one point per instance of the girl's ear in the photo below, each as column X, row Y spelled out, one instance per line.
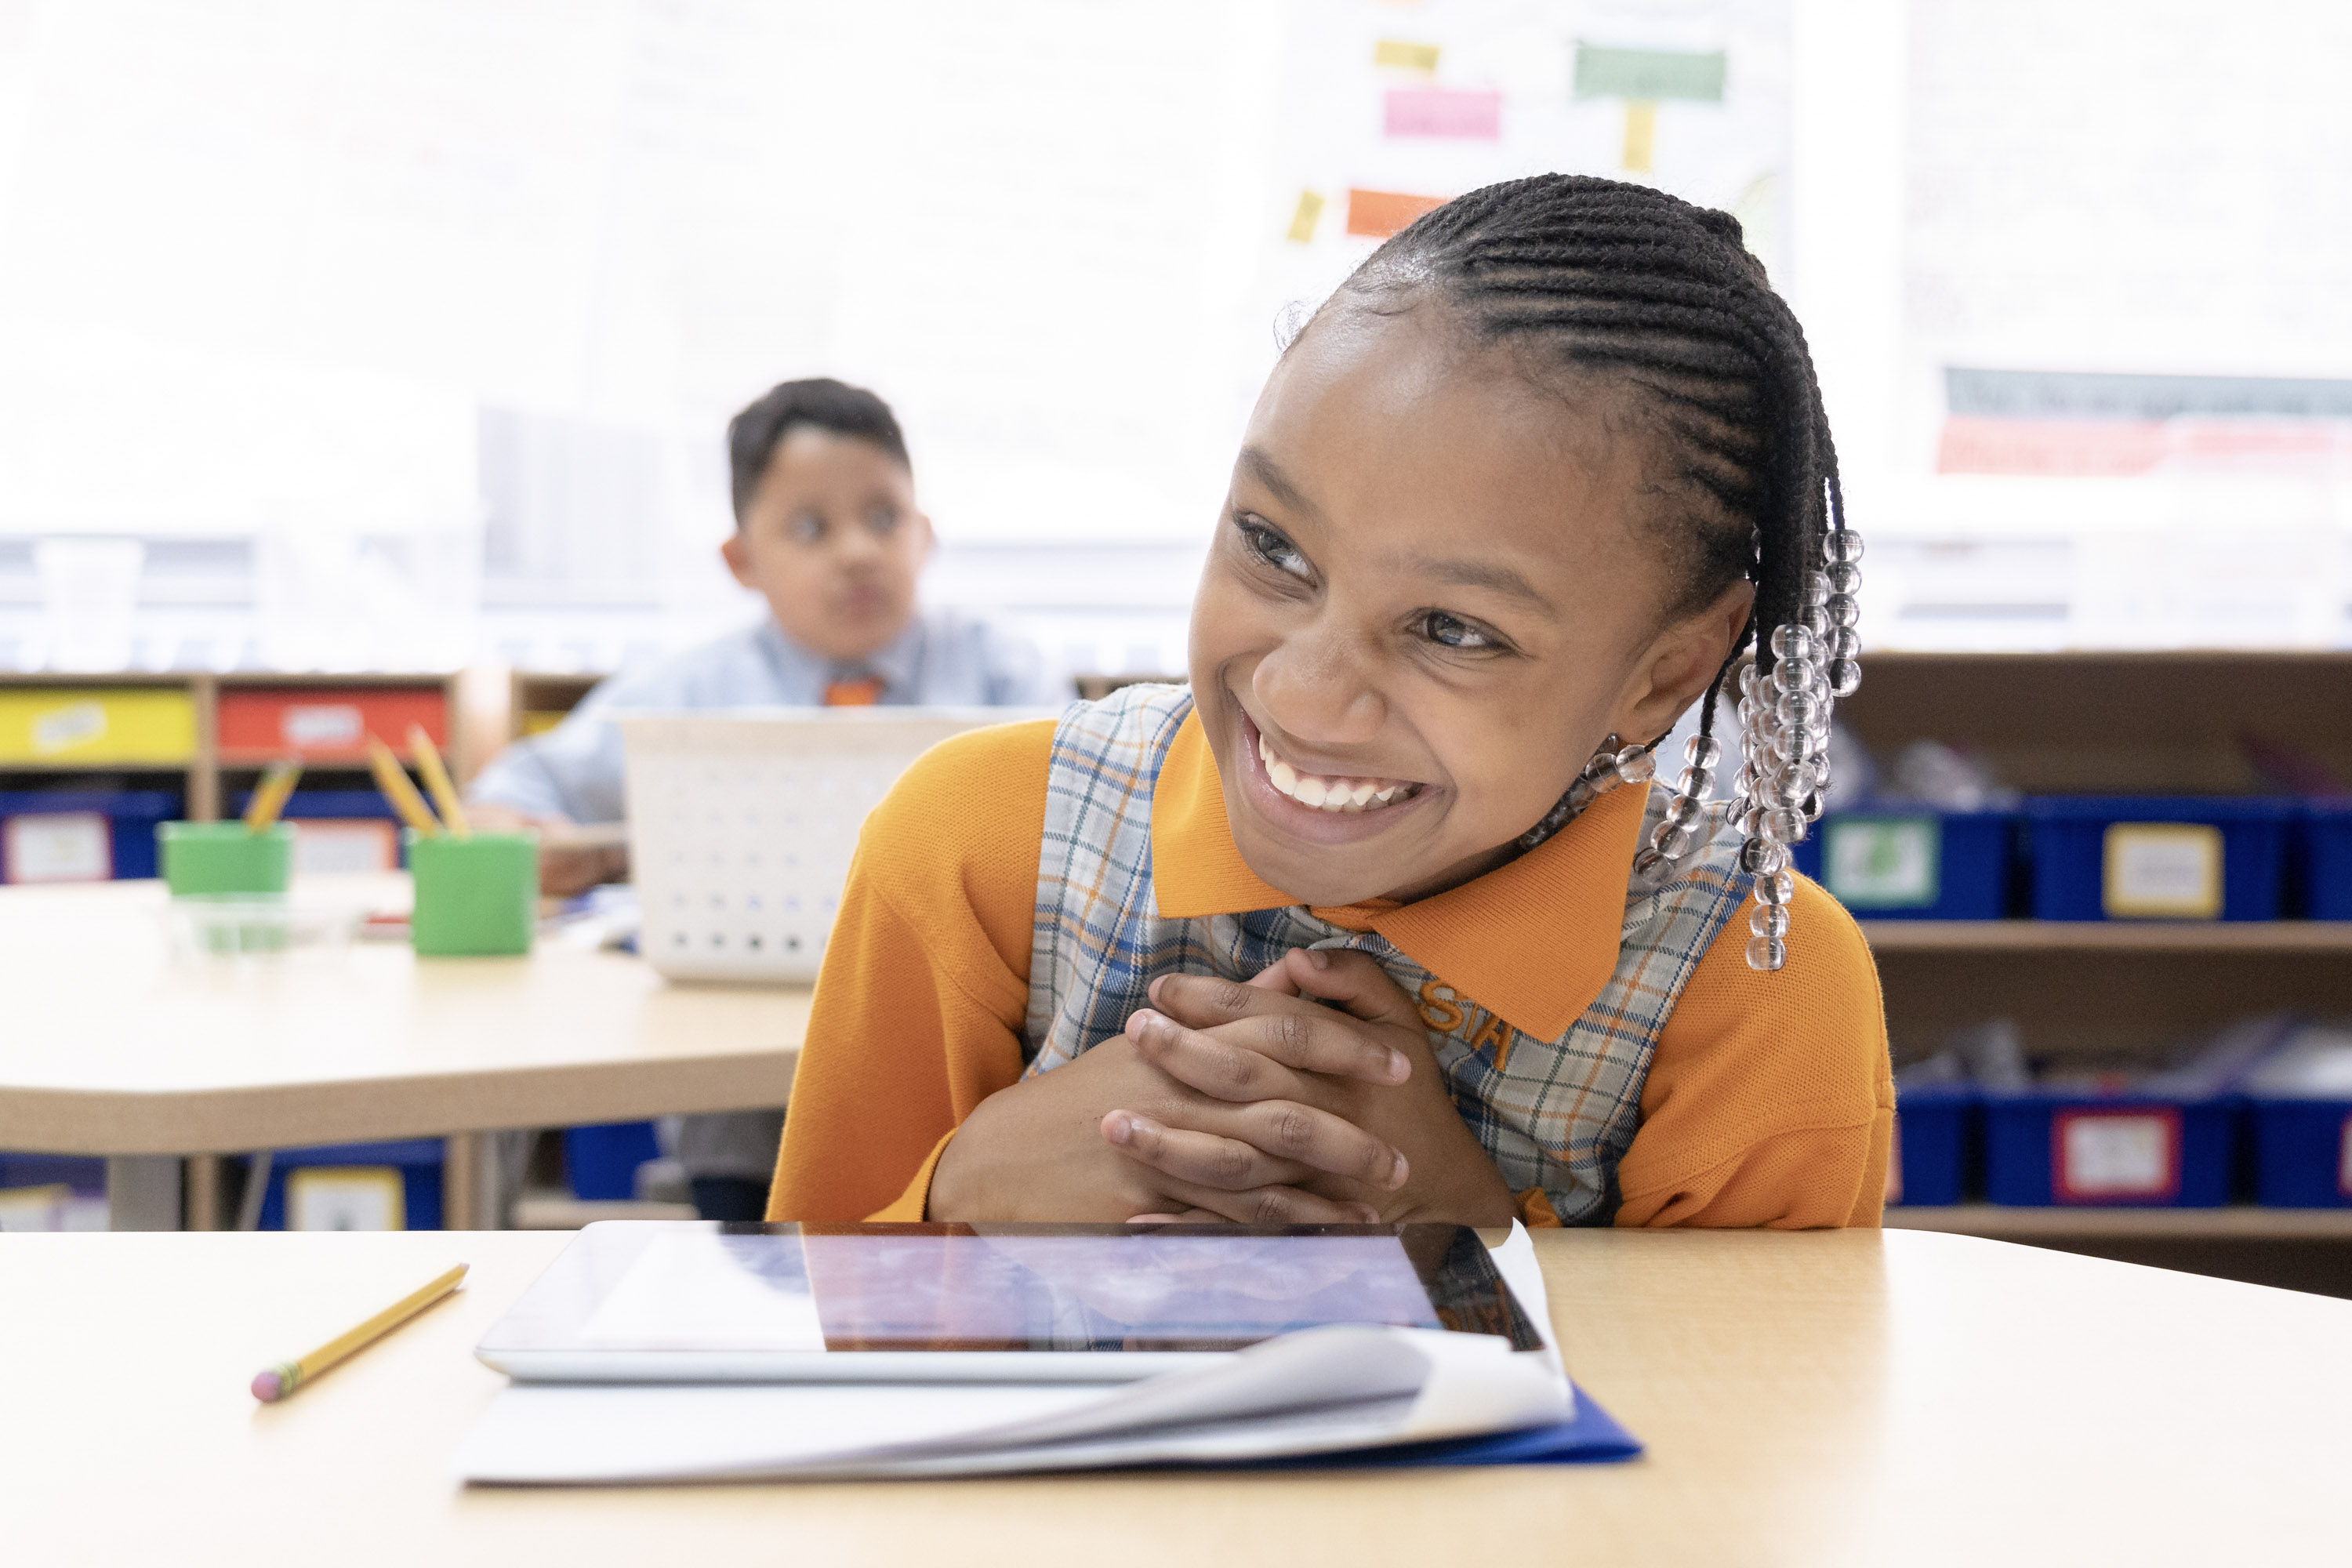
column 1672, row 672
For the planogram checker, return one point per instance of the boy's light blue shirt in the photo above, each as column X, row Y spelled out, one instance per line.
column 942, row 658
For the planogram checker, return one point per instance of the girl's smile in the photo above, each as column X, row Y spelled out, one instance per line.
column 1318, row 807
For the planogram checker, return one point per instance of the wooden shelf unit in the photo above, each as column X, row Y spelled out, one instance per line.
column 204, row 771
column 2239, row 1222
column 537, row 700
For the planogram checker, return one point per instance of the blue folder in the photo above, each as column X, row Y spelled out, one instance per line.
column 1591, row 1436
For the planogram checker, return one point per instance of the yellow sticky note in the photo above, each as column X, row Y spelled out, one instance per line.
column 1397, row 54
column 2163, row 871
column 1641, row 134
column 1305, row 217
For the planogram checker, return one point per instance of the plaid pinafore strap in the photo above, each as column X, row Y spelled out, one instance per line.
column 1557, row 1114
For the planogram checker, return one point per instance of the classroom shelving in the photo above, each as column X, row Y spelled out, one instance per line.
column 325, row 718
column 2115, row 723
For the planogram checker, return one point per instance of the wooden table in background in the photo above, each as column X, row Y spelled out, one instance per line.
column 1811, row 1399
column 111, row 1045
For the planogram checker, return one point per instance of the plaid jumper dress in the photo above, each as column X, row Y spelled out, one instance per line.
column 1555, row 1114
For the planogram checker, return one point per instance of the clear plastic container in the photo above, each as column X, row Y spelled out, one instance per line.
column 238, row 926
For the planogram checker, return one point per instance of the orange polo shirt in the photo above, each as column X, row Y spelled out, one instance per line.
column 1770, row 1099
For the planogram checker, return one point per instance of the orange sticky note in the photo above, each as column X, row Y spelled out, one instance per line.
column 1379, row 213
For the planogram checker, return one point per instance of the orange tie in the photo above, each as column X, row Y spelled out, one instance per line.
column 863, row 692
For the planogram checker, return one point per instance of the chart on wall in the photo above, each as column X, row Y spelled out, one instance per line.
column 2125, row 319
column 1389, row 109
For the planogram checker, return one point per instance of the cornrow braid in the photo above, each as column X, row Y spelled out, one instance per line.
column 1662, row 297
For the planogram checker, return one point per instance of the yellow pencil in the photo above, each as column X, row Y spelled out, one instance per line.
column 436, row 779
column 394, row 782
column 270, row 796
column 273, row 1384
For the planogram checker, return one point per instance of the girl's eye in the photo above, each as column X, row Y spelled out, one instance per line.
column 805, row 526
column 881, row 520
column 1275, row 550
column 1453, row 631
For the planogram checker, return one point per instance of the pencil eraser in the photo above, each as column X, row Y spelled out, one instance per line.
column 266, row 1386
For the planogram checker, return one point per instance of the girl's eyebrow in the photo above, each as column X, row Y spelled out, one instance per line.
column 1267, row 472
column 1489, row 575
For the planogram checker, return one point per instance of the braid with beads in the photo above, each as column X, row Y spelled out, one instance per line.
column 1660, row 298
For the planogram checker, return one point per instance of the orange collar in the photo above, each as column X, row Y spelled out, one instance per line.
column 1533, row 941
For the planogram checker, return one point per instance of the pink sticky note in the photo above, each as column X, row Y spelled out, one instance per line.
column 1444, row 111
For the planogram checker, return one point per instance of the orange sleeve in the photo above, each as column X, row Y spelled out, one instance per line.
column 924, row 984
column 1770, row 1100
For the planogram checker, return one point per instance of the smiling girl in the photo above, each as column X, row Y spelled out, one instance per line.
column 1360, row 925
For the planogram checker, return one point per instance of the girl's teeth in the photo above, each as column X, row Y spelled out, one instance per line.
column 1322, row 794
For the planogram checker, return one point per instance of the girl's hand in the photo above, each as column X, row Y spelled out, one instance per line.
column 1267, row 1044
column 1036, row 1152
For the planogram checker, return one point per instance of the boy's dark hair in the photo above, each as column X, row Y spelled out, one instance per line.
column 821, row 401
column 1662, row 299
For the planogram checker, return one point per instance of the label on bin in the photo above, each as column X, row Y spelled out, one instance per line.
column 2102, row 1155
column 57, row 846
column 1883, row 862
column 322, row 726
column 2165, row 869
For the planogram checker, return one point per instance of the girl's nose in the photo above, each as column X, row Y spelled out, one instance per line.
column 1321, row 687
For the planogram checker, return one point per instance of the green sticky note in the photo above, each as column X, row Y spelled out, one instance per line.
column 1883, row 862
column 1648, row 74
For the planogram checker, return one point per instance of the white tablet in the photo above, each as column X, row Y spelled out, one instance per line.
column 687, row 1302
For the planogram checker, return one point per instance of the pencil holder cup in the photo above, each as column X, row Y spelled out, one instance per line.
column 200, row 858
column 475, row 897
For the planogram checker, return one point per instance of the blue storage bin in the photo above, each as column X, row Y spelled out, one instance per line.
column 82, row 1173
column 2157, row 857
column 2303, row 1152
column 131, row 815
column 2047, row 1147
column 333, row 805
column 1935, row 1133
column 1890, row 863
column 417, row 1160
column 600, row 1163
column 2326, row 850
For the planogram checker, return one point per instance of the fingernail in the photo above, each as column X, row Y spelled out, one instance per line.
column 1400, row 1068
column 1318, row 958
column 1119, row 1127
column 1397, row 1172
column 1139, row 1021
column 1367, row 1215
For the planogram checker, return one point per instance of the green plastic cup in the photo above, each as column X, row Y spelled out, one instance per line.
column 206, row 858
column 476, row 898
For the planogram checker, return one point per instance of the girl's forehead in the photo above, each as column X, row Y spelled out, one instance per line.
column 1389, row 411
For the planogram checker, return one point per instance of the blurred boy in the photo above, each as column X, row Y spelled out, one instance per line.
column 828, row 531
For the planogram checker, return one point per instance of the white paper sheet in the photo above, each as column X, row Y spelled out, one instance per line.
column 1315, row 1392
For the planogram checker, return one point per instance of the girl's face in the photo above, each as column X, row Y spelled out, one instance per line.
column 1434, row 593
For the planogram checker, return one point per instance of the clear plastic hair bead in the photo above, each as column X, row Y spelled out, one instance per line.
column 1791, row 642
column 1761, row 858
column 1813, row 589
column 1842, row 611
column 1766, row 953
column 1776, row 889
column 1844, row 545
column 1702, row 751
column 1846, row 677
column 1768, row 920
column 1842, row 576
column 1795, row 672
column 1635, row 764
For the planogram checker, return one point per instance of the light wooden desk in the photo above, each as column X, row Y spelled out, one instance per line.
column 1811, row 1399
column 110, row 1045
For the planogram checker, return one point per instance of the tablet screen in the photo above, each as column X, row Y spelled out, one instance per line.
column 745, row 1287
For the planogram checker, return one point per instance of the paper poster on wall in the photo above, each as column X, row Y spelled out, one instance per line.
column 1693, row 99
